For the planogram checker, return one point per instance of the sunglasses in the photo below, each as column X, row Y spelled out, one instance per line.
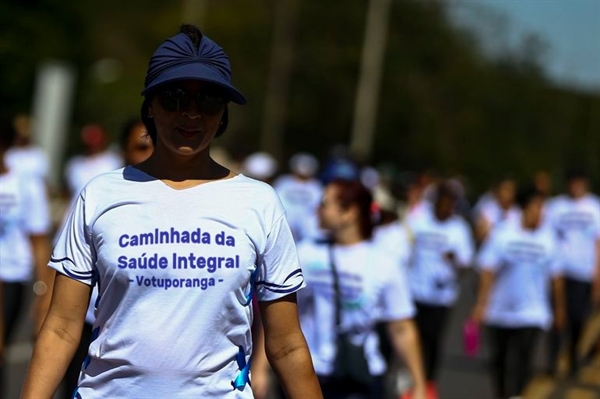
column 176, row 99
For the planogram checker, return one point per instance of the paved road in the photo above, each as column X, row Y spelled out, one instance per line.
column 459, row 378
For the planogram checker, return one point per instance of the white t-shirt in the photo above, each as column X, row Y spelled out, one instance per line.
column 175, row 271
column 395, row 239
column 300, row 199
column 432, row 278
column 80, row 169
column 24, row 211
column 577, row 225
column 492, row 212
column 373, row 288
column 524, row 261
column 29, row 160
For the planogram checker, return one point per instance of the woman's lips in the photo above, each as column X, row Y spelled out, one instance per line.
column 188, row 132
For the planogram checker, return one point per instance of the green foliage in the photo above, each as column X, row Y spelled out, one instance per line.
column 443, row 104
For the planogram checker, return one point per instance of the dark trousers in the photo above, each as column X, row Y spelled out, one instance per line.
column 431, row 322
column 13, row 297
column 72, row 374
column 335, row 388
column 512, row 352
column 578, row 298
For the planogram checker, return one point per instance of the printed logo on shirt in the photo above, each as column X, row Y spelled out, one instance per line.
column 150, row 263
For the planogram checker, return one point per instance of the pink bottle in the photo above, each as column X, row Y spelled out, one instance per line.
column 471, row 338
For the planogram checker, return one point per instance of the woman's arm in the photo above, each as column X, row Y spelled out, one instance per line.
column 287, row 350
column 44, row 279
column 405, row 339
column 57, row 339
column 559, row 307
column 596, row 277
column 486, row 281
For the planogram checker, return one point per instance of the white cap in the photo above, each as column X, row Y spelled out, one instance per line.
column 260, row 165
column 304, row 164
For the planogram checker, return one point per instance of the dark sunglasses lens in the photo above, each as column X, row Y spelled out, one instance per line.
column 209, row 103
column 174, row 99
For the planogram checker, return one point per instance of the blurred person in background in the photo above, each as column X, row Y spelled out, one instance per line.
column 169, row 325
column 136, row 147
column 339, row 165
column 25, row 156
column 261, row 166
column 495, row 206
column 300, row 192
column 443, row 247
column 136, row 144
column 24, row 244
column 351, row 286
column 519, row 266
column 575, row 218
column 95, row 159
column 542, row 181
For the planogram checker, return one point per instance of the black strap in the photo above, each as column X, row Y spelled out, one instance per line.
column 336, row 287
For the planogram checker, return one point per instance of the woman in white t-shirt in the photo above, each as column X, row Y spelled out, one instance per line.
column 178, row 245
column 352, row 285
column 575, row 218
column 441, row 250
column 24, row 244
column 520, row 268
column 495, row 207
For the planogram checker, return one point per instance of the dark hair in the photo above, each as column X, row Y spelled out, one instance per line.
column 526, row 194
column 576, row 173
column 8, row 133
column 352, row 192
column 126, row 131
column 195, row 36
column 445, row 190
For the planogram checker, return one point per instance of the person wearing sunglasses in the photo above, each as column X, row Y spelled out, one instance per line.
column 178, row 245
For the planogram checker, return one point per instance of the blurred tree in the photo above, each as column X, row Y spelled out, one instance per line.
column 446, row 102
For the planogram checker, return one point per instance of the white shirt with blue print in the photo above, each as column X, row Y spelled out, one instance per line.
column 433, row 279
column 373, row 288
column 524, row 263
column 577, row 225
column 175, row 271
column 24, row 211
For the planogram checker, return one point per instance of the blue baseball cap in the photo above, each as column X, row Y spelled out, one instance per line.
column 178, row 59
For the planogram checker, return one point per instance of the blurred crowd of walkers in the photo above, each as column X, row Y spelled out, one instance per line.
column 536, row 254
column 382, row 265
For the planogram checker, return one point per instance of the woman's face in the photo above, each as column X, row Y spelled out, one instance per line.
column 139, row 145
column 532, row 212
column 331, row 214
column 186, row 127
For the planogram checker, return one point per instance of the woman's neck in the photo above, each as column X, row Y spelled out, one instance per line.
column 348, row 236
column 195, row 168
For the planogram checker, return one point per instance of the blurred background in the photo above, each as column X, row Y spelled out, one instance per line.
column 474, row 89
column 477, row 88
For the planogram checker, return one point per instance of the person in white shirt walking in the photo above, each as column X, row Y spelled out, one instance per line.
column 519, row 265
column 352, row 285
column 24, row 244
column 300, row 192
column 442, row 247
column 178, row 245
column 575, row 217
column 495, row 206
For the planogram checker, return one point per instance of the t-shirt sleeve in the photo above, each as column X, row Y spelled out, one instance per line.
column 396, row 302
column 72, row 254
column 37, row 218
column 464, row 246
column 279, row 268
column 489, row 257
column 556, row 264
